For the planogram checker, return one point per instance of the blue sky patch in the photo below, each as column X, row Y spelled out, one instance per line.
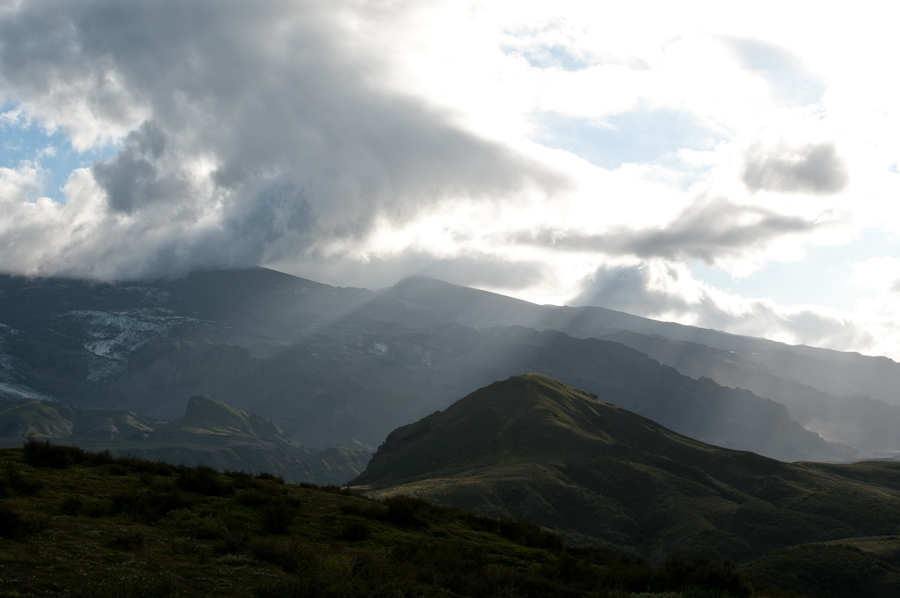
column 639, row 136
column 823, row 277
column 546, row 57
column 29, row 142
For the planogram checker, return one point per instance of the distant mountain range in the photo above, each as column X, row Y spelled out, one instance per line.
column 535, row 448
column 210, row 433
column 335, row 366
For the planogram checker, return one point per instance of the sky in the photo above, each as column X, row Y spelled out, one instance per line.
column 730, row 166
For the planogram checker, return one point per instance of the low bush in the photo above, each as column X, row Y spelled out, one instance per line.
column 367, row 509
column 701, row 572
column 71, row 506
column 278, row 517
column 265, row 475
column 148, row 506
column 402, row 511
column 136, row 585
column 293, row 557
column 253, row 498
column 195, row 525
column 204, row 480
column 355, row 531
column 127, row 540
column 518, row 530
column 13, row 526
column 13, row 481
column 41, row 453
column 138, row 465
column 241, row 480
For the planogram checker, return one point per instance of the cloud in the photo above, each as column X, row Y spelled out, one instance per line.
column 814, row 168
column 249, row 133
column 482, row 270
column 667, row 291
column 793, row 82
column 709, row 229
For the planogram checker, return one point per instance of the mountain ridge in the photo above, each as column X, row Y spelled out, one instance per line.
column 210, row 433
column 534, row 447
column 331, row 363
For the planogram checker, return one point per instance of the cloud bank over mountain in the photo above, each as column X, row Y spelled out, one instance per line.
column 504, row 145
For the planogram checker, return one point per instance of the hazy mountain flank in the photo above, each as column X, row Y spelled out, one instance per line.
column 210, row 433
column 534, row 447
column 334, row 366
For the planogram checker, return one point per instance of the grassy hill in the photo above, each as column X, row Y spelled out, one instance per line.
column 91, row 526
column 534, row 447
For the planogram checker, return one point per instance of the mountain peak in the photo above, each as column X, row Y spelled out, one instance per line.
column 524, row 419
column 205, row 415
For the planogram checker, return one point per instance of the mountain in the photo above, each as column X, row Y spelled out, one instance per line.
column 338, row 366
column 870, row 425
column 536, row 448
column 210, row 433
column 834, row 372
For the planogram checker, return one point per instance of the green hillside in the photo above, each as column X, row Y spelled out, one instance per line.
column 87, row 525
column 536, row 448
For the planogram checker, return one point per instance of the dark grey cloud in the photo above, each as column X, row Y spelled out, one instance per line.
column 262, row 129
column 813, row 168
column 708, row 230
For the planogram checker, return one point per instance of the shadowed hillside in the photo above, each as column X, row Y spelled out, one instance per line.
column 86, row 525
column 534, row 447
column 210, row 433
column 335, row 365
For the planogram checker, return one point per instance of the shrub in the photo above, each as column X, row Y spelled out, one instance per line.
column 367, row 509
column 71, row 506
column 402, row 510
column 127, row 541
column 41, row 453
column 264, row 475
column 140, row 585
column 148, row 506
column 138, row 465
column 195, row 525
column 292, row 557
column 253, row 498
column 14, row 481
column 117, row 469
column 355, row 531
column 701, row 572
column 278, row 517
column 241, row 480
column 204, row 480
column 522, row 531
column 13, row 526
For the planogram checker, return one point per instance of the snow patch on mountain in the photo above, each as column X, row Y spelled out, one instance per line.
column 10, row 386
column 111, row 336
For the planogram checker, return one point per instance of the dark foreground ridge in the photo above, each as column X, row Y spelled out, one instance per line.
column 536, row 448
column 81, row 524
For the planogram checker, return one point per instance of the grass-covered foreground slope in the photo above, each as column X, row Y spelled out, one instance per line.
column 536, row 448
column 88, row 525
